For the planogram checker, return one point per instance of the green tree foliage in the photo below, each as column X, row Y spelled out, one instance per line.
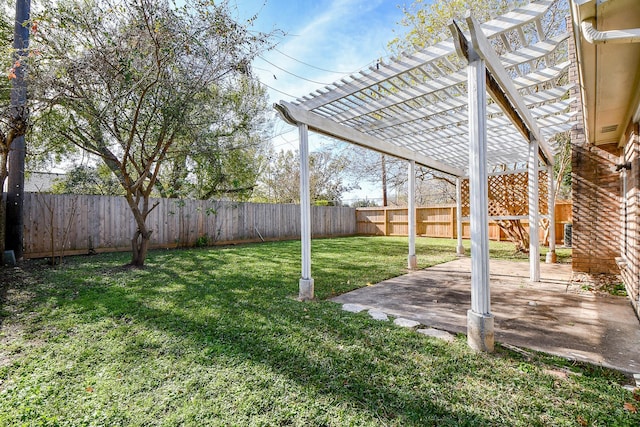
column 7, row 131
column 562, row 166
column 280, row 182
column 364, row 203
column 132, row 81
column 224, row 156
column 427, row 22
column 6, row 62
column 83, row 179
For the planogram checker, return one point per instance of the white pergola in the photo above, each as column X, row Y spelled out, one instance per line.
column 431, row 109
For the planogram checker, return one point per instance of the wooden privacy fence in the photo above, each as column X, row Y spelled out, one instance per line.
column 104, row 223
column 439, row 221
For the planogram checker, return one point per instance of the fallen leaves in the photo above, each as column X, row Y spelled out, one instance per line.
column 630, row 407
column 12, row 71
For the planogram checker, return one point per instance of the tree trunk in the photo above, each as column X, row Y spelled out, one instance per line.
column 140, row 246
column 516, row 233
column 3, row 220
column 544, row 224
column 3, row 205
column 142, row 236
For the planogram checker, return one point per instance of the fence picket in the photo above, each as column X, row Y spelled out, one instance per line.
column 105, row 223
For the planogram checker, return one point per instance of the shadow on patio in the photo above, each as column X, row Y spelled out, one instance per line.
column 552, row 316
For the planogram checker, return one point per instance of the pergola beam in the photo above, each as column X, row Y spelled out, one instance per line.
column 439, row 129
column 409, row 118
column 504, row 92
column 296, row 115
column 492, row 86
column 444, row 81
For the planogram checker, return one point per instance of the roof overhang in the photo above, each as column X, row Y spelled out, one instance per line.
column 607, row 35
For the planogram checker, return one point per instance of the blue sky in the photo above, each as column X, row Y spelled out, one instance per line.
column 342, row 36
column 336, row 35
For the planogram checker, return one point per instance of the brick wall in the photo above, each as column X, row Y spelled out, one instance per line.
column 595, row 192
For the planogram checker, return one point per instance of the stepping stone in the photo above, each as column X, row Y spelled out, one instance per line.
column 406, row 323
column 378, row 315
column 353, row 308
column 437, row 333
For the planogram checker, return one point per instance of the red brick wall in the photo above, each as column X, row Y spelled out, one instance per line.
column 595, row 192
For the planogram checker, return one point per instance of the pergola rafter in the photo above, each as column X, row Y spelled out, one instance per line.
column 430, row 108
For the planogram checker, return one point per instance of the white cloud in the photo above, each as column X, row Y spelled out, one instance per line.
column 344, row 35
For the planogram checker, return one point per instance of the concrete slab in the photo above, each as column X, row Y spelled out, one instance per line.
column 552, row 316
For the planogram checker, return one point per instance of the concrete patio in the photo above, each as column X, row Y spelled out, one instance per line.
column 554, row 316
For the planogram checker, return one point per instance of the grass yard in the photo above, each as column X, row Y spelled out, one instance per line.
column 216, row 337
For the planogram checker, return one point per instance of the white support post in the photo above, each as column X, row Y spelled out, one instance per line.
column 412, row 262
column 480, row 330
column 551, row 254
column 534, row 219
column 305, row 291
column 459, row 247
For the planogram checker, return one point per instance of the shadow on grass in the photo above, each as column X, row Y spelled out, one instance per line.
column 235, row 306
column 251, row 317
column 306, row 350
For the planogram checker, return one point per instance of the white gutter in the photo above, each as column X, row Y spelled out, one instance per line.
column 594, row 36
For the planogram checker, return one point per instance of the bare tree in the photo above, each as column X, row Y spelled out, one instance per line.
column 280, row 182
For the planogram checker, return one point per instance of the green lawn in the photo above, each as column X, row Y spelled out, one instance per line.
column 216, row 337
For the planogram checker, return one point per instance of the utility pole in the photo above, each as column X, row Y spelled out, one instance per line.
column 15, row 181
